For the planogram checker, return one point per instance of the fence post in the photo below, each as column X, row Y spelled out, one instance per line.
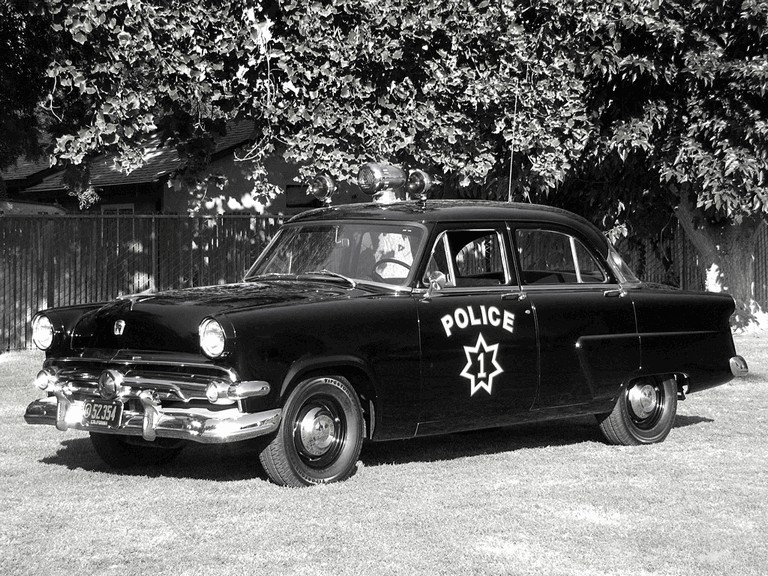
column 50, row 267
column 154, row 255
column 683, row 263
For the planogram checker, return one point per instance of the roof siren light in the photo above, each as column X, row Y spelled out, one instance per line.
column 384, row 181
column 322, row 188
column 388, row 183
column 419, row 183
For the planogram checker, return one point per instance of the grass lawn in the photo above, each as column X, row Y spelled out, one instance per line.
column 537, row 499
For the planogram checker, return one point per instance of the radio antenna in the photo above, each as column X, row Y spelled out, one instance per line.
column 514, row 137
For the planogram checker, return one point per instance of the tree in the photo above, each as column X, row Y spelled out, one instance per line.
column 452, row 86
column 678, row 98
column 24, row 57
column 631, row 110
column 122, row 71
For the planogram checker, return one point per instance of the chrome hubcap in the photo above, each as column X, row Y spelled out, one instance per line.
column 643, row 400
column 317, row 431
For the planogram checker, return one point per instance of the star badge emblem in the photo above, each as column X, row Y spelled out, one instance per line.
column 482, row 366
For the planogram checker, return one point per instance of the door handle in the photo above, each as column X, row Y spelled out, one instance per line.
column 614, row 293
column 514, row 296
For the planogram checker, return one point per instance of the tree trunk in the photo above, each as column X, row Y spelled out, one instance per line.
column 727, row 252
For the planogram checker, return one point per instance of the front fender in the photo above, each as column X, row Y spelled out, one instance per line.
column 373, row 341
column 304, row 366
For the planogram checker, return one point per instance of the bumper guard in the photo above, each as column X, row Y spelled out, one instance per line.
column 739, row 366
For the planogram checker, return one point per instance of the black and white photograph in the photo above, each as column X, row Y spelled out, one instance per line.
column 388, row 287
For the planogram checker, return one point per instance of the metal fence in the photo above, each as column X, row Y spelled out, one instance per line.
column 674, row 261
column 50, row 261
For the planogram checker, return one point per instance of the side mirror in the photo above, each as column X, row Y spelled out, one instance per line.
column 437, row 281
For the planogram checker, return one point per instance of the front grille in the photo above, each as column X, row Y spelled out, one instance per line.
column 174, row 378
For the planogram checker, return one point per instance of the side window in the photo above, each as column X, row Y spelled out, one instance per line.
column 469, row 258
column 589, row 270
column 479, row 261
column 439, row 261
column 549, row 257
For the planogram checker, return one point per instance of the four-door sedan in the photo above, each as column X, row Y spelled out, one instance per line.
column 386, row 321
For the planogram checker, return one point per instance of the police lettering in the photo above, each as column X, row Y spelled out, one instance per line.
column 462, row 318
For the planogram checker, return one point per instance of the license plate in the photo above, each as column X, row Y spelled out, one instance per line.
column 102, row 414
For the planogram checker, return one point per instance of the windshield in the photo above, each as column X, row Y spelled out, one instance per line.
column 367, row 252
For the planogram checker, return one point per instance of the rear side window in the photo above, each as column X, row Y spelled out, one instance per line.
column 550, row 257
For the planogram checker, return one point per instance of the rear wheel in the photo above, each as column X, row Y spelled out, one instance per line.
column 127, row 451
column 320, row 435
column 643, row 414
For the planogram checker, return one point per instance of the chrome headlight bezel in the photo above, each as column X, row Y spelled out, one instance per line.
column 43, row 331
column 212, row 338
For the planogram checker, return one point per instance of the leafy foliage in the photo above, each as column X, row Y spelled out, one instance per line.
column 625, row 110
column 678, row 94
column 24, row 53
column 452, row 86
column 678, row 100
column 126, row 69
column 620, row 106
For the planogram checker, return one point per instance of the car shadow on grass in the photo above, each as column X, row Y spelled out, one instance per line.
column 481, row 442
column 221, row 462
column 551, row 433
column 684, row 421
column 240, row 460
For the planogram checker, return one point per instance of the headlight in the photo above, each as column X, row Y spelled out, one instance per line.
column 212, row 338
column 42, row 331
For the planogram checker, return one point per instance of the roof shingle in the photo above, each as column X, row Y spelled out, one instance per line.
column 160, row 161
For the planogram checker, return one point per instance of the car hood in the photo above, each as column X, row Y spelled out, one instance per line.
column 168, row 321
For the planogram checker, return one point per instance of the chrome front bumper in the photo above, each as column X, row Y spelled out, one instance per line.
column 162, row 396
column 195, row 424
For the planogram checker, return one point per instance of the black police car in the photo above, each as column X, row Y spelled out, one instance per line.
column 383, row 321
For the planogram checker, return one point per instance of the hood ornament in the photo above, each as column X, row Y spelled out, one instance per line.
column 119, row 327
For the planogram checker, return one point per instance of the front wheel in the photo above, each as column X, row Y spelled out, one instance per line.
column 643, row 414
column 127, row 452
column 320, row 435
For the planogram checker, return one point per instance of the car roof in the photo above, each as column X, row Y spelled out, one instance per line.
column 433, row 211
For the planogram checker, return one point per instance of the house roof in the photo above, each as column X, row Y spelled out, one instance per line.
column 24, row 168
column 159, row 160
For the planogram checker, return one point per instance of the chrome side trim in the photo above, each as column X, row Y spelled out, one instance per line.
column 195, row 424
column 738, row 366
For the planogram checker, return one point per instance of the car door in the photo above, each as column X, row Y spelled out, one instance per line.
column 588, row 341
column 479, row 363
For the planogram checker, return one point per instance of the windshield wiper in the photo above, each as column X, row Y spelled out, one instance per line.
column 269, row 276
column 325, row 272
